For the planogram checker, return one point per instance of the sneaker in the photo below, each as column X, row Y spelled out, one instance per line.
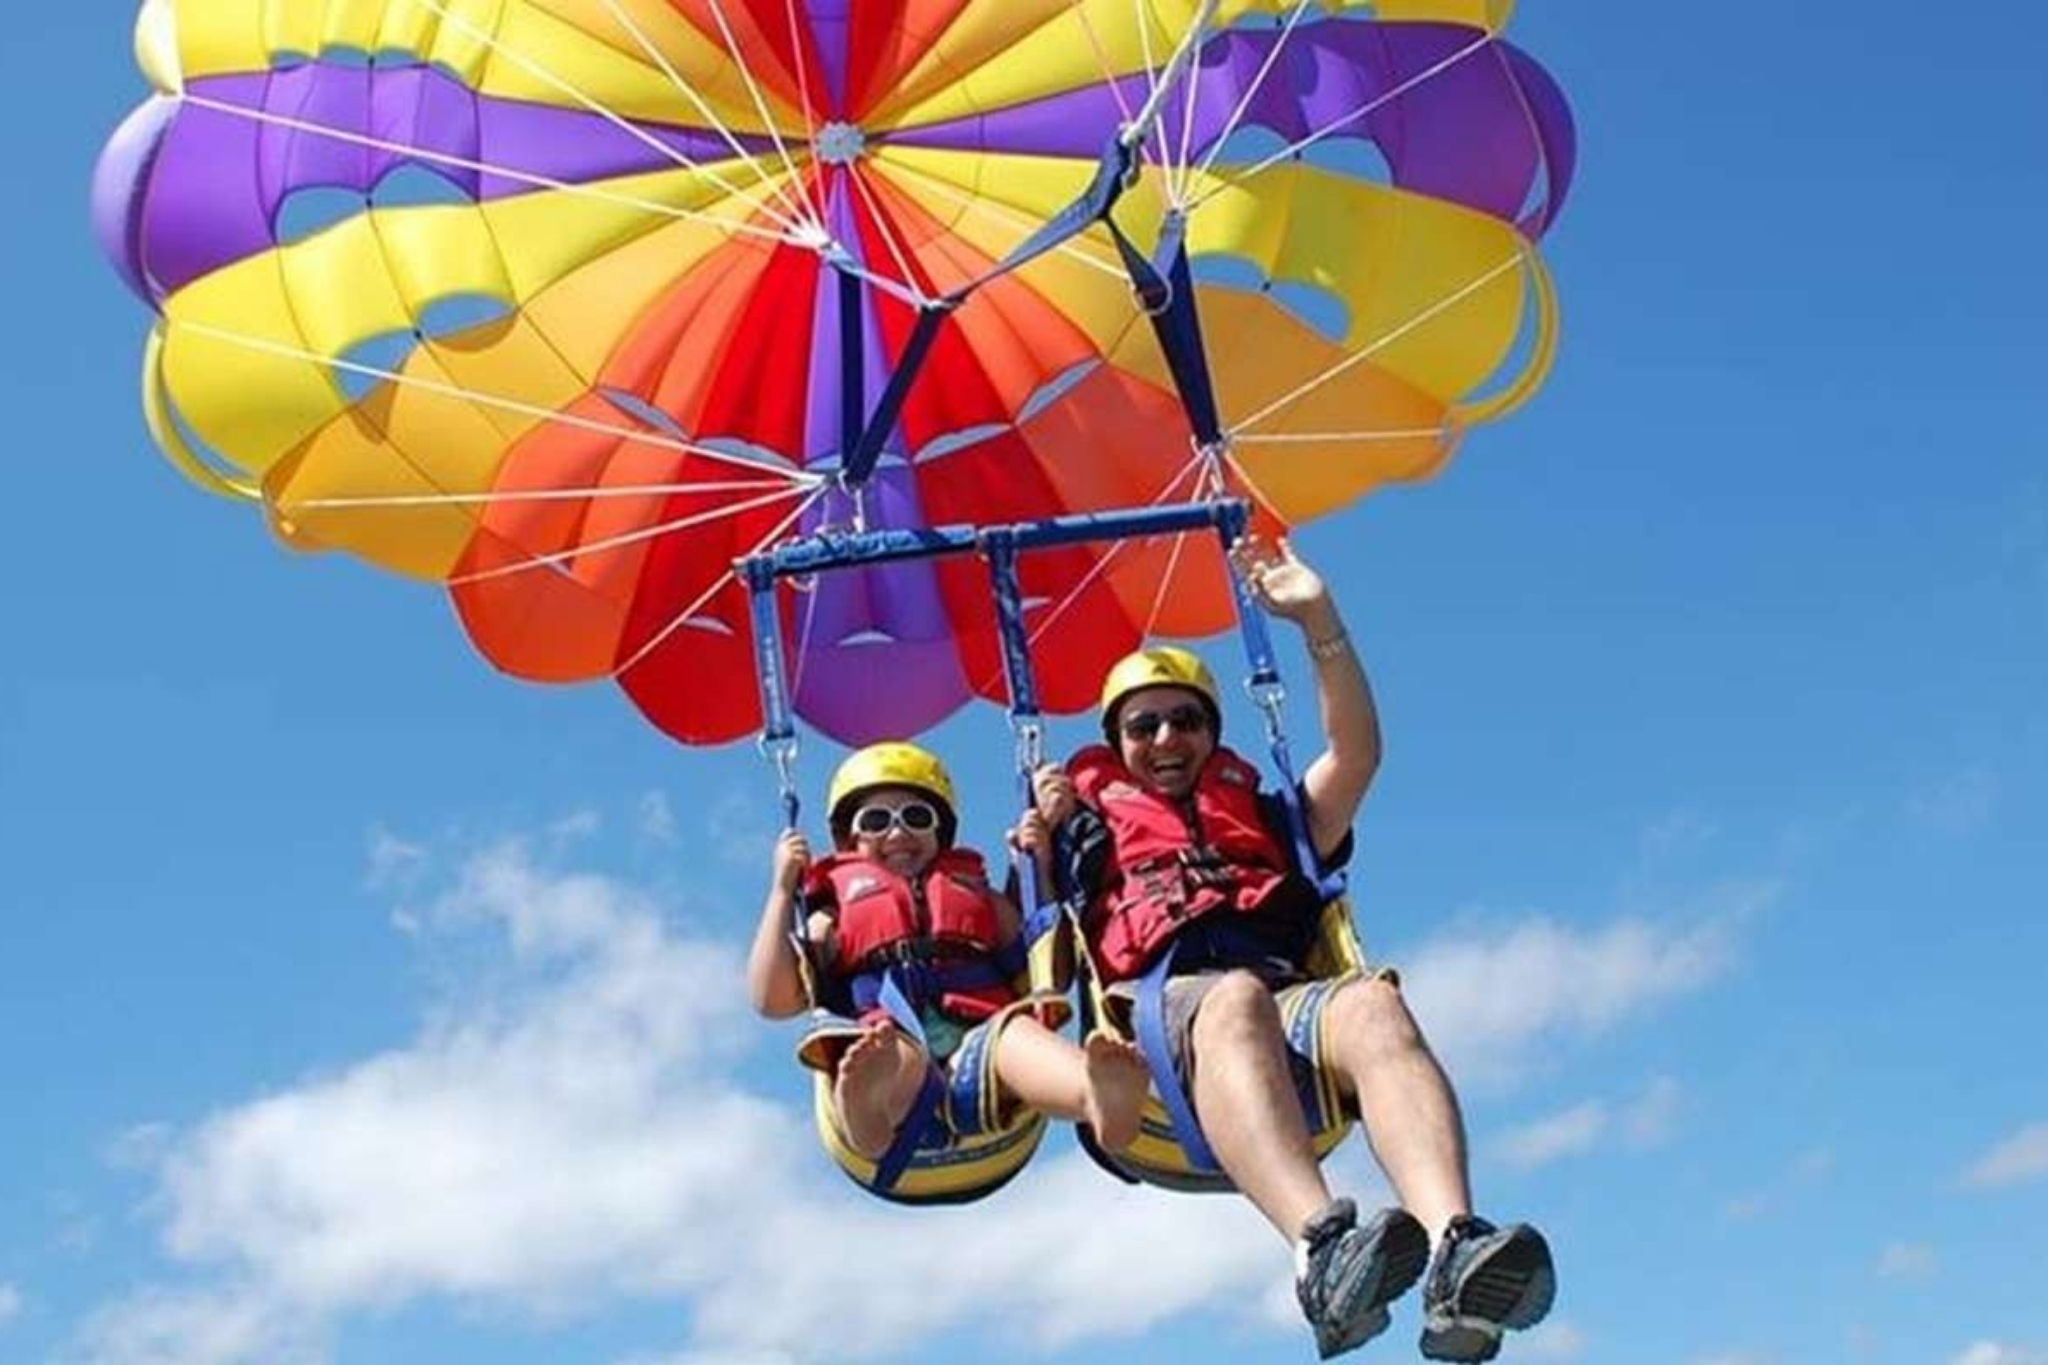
column 1484, row 1280
column 1348, row 1274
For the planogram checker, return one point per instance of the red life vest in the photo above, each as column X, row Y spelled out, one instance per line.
column 882, row 922
column 1173, row 862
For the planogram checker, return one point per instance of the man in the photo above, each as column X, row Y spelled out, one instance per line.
column 1177, row 852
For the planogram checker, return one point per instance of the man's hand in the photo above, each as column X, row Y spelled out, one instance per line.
column 1282, row 583
column 1053, row 790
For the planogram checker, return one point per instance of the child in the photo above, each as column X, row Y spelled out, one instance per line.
column 898, row 903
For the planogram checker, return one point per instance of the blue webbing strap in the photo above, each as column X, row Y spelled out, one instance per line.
column 1166, row 290
column 1001, row 547
column 1148, row 1021
column 923, row 1116
column 1112, row 177
column 1266, row 691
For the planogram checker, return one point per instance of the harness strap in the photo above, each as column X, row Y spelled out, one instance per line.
column 923, row 1118
column 1148, row 1021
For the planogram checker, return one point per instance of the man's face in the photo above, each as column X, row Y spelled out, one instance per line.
column 1164, row 736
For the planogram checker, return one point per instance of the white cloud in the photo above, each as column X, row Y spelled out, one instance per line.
column 1643, row 1122
column 1570, row 1133
column 1905, row 1261
column 2000, row 1353
column 1487, row 1000
column 1553, row 1340
column 657, row 818
column 2019, row 1158
column 575, row 1137
column 742, row 827
column 10, row 1302
column 1652, row 1119
column 394, row 862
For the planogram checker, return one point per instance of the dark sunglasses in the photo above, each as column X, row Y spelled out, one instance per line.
column 915, row 816
column 1188, row 719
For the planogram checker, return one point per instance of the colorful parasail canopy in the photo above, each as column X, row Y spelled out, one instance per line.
column 568, row 304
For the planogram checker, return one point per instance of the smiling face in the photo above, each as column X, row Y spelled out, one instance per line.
column 1164, row 736
column 897, row 827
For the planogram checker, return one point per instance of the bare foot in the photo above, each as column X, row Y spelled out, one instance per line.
column 867, row 1072
column 1117, row 1082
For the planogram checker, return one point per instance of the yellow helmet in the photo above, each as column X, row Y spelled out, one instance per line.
column 1159, row 666
column 890, row 764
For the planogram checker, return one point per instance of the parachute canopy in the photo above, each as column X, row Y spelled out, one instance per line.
column 569, row 304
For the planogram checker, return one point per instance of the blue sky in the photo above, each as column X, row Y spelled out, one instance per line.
column 358, row 1005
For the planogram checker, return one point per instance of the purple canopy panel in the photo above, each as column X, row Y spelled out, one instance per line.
column 872, row 649
column 1456, row 115
column 119, row 191
column 831, row 29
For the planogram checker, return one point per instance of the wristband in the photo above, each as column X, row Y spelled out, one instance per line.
column 1336, row 647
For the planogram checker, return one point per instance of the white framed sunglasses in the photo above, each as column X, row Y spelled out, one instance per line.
column 918, row 817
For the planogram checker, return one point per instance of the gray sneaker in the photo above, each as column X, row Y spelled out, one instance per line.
column 1484, row 1280
column 1348, row 1274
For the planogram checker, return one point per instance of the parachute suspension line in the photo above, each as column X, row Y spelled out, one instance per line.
column 1300, row 145
column 1180, row 545
column 1380, row 343
column 555, row 558
column 739, row 58
column 703, row 108
column 1269, row 694
column 598, row 107
column 1188, row 174
column 1332, row 437
column 725, row 580
column 888, row 234
column 1147, row 118
column 554, row 416
column 1108, row 69
column 523, row 495
column 1054, row 614
column 739, row 227
column 1077, row 250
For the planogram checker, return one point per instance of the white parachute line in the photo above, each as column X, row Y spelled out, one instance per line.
column 1013, row 217
column 631, row 129
column 681, row 618
column 1252, row 485
column 636, row 435
column 1101, row 565
column 804, row 630
column 889, row 236
column 1109, row 76
column 1377, row 344
column 1244, row 103
column 554, row 494
column 646, row 533
column 803, row 75
column 738, row 227
column 703, row 107
column 1333, row 437
column 1180, row 544
column 1148, row 121
column 1303, row 144
column 1177, row 177
column 739, row 58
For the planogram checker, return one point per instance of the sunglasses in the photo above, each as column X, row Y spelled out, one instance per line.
column 914, row 816
column 1188, row 719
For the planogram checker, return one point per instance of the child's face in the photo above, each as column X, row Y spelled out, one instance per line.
column 897, row 828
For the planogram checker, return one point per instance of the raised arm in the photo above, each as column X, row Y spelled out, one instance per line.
column 773, row 982
column 1336, row 781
